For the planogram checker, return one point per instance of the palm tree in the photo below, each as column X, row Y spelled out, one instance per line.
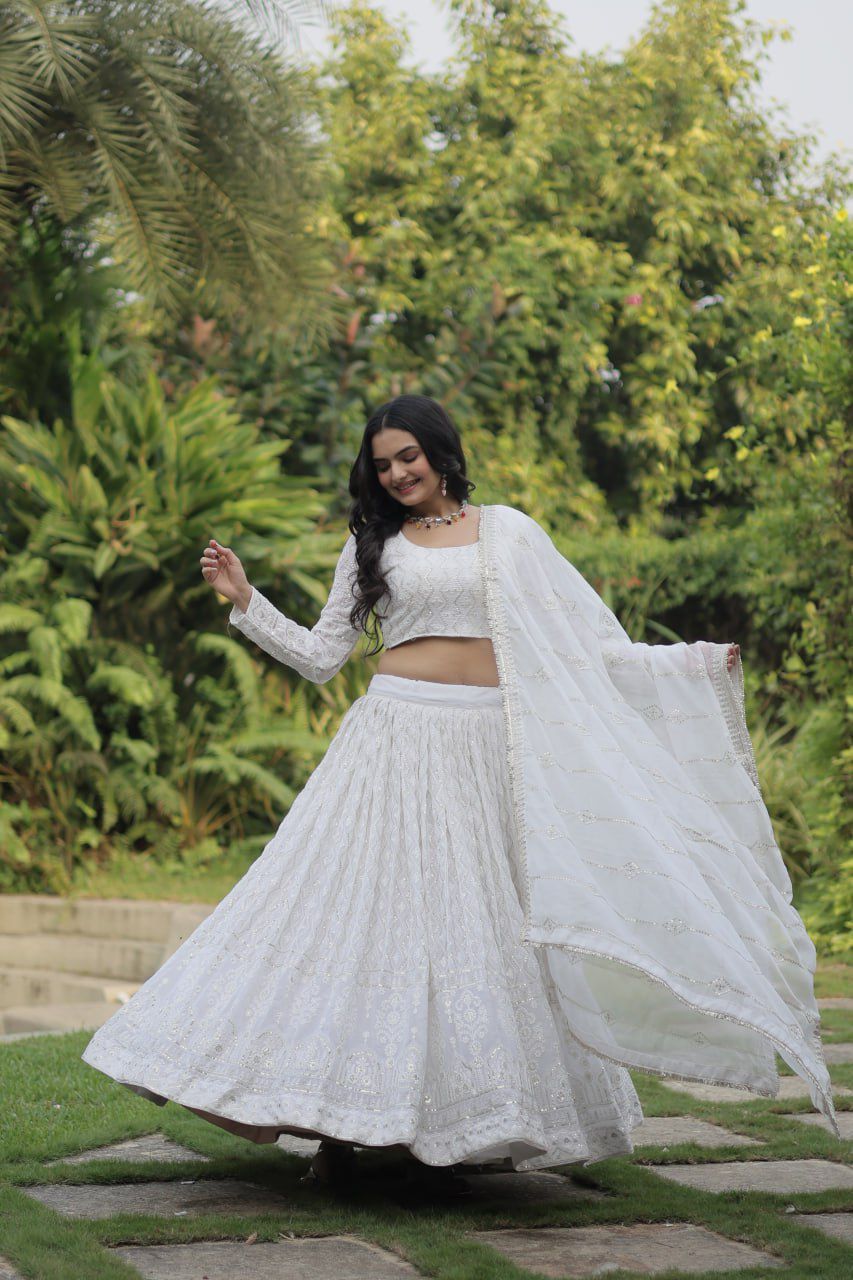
column 174, row 136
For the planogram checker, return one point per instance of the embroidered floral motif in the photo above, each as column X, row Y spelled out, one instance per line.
column 653, row 711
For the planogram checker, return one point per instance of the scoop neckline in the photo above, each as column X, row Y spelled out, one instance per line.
column 463, row 546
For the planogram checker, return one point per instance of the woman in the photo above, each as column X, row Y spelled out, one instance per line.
column 418, row 959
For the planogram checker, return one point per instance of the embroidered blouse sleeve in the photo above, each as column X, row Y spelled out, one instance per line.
column 319, row 652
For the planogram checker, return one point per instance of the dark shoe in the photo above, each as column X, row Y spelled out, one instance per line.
column 333, row 1165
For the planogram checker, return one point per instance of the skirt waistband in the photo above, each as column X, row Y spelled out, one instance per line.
column 436, row 691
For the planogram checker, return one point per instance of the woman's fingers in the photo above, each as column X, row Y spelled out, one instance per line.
column 215, row 560
column 212, row 561
column 225, row 554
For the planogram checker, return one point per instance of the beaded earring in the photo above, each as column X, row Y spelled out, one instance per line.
column 443, row 486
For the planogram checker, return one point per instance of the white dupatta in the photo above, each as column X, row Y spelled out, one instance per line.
column 646, row 861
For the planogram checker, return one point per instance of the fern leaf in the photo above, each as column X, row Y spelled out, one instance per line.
column 17, row 617
column 73, row 619
column 234, row 770
column 123, row 683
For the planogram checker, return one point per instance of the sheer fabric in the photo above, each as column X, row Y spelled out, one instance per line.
column 647, row 862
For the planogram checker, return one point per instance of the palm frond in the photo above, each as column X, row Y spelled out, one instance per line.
column 283, row 735
column 123, row 684
column 56, row 170
column 74, row 711
column 56, row 46
column 17, row 617
column 139, row 751
column 16, row 714
column 239, row 663
column 73, row 619
column 45, row 644
column 282, row 19
column 233, row 770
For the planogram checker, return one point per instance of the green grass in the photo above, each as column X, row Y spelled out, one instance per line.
column 143, row 878
column 55, row 1105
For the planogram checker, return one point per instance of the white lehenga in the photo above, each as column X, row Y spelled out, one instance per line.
column 487, row 903
column 365, row 978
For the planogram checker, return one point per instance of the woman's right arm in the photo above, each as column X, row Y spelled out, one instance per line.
column 319, row 652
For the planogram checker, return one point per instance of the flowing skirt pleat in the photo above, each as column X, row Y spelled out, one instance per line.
column 365, row 979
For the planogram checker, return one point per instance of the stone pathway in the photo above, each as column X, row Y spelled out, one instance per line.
column 163, row 1199
column 780, row 1177
column 341, row 1257
column 790, row 1087
column 835, row 1053
column 844, row 1118
column 528, row 1188
column 560, row 1252
column 668, row 1131
column 152, row 1147
column 837, row 1225
column 647, row 1248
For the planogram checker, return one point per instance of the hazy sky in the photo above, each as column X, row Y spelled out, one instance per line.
column 809, row 76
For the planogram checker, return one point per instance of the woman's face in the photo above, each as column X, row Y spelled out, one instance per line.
column 403, row 469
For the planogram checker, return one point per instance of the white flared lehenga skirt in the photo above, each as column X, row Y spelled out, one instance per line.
column 365, row 979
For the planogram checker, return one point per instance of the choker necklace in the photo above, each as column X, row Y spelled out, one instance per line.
column 427, row 522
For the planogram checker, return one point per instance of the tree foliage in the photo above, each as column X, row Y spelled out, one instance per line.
column 628, row 283
column 172, row 134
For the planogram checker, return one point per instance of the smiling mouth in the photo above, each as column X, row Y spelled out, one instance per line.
column 407, row 487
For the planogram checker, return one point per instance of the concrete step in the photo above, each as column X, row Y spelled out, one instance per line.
column 56, row 1017
column 166, row 922
column 70, row 953
column 68, row 964
column 20, row 986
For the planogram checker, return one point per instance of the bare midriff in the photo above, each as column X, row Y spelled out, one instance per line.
column 446, row 659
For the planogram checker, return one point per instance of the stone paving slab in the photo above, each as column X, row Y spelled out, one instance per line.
column 835, row 1002
column 646, row 1248
column 844, row 1118
column 163, row 1199
column 784, row 1177
column 8, row 1272
column 527, row 1188
column 789, row 1087
column 154, row 1146
column 297, row 1146
column 341, row 1257
column 837, row 1225
column 838, row 1053
column 660, row 1131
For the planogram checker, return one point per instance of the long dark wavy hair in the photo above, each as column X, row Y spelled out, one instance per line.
column 375, row 515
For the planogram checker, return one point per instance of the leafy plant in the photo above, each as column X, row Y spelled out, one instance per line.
column 173, row 133
column 106, row 747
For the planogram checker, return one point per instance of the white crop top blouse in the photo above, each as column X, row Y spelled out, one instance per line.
column 434, row 591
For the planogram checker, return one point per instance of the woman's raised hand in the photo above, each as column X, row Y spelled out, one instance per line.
column 223, row 570
column 731, row 657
